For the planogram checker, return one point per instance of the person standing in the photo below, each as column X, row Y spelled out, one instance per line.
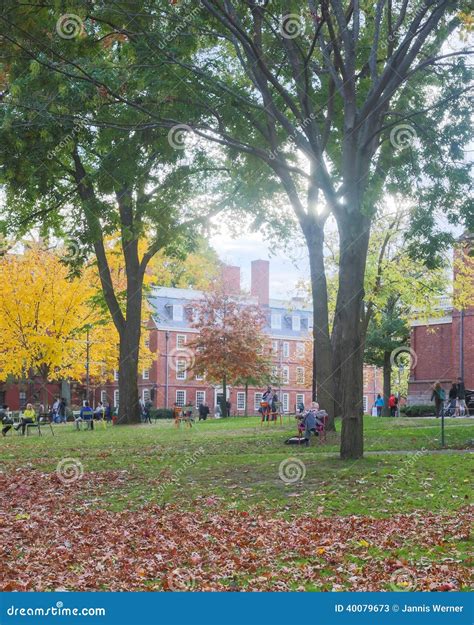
column 392, row 403
column 438, row 395
column 203, row 412
column 461, row 406
column 452, row 396
column 55, row 410
column 86, row 414
column 62, row 411
column 379, row 404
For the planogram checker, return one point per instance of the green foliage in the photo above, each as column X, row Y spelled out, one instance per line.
column 161, row 413
column 418, row 410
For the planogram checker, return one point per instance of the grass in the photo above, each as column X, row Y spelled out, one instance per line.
column 237, row 462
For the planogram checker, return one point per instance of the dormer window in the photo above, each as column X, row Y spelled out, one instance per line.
column 296, row 323
column 275, row 322
column 177, row 312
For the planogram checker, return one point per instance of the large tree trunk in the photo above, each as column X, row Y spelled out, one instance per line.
column 246, row 412
column 387, row 382
column 348, row 336
column 322, row 387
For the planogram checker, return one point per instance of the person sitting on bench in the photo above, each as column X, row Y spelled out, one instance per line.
column 29, row 416
column 313, row 421
column 86, row 414
column 6, row 419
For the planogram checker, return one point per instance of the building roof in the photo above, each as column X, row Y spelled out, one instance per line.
column 162, row 300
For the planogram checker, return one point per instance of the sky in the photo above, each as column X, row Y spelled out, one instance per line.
column 287, row 267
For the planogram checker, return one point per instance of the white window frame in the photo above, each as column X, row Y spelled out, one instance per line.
column 296, row 323
column 146, row 374
column 300, row 376
column 285, row 404
column 285, row 374
column 241, row 401
column 181, row 341
column 103, row 397
column 286, row 349
column 199, row 377
column 180, row 393
column 257, row 400
column 177, row 312
column 200, row 398
column 299, row 399
column 365, row 404
column 300, row 349
column 181, row 372
column 116, row 398
column 275, row 347
column 146, row 395
column 116, row 375
column 275, row 321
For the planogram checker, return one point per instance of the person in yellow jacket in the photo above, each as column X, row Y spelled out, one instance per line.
column 29, row 416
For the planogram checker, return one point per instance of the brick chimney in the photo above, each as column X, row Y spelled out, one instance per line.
column 231, row 279
column 260, row 286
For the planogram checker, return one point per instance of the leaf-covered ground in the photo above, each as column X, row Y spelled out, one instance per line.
column 155, row 508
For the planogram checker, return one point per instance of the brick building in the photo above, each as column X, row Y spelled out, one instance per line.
column 443, row 347
column 170, row 379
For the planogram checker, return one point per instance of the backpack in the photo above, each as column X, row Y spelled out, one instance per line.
column 442, row 394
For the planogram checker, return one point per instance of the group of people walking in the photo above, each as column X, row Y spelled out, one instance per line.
column 456, row 404
column 392, row 404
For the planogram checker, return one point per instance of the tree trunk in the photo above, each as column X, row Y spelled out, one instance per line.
column 246, row 399
column 387, row 383
column 322, row 384
column 224, row 396
column 348, row 337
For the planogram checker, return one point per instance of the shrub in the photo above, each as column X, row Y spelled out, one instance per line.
column 418, row 410
column 161, row 413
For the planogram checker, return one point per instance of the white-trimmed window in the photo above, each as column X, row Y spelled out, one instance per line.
column 285, row 375
column 258, row 399
column 146, row 374
column 180, row 369
column 286, row 349
column 300, row 350
column 181, row 398
column 116, row 375
column 296, row 323
column 180, row 341
column 299, row 399
column 146, row 395
column 240, row 400
column 200, row 398
column 310, row 321
column 199, row 377
column 275, row 321
column 365, row 403
column 177, row 311
column 299, row 375
column 103, row 397
column 286, row 402
column 116, row 398
column 275, row 347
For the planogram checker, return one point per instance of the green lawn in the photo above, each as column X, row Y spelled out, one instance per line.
column 237, row 460
column 206, row 508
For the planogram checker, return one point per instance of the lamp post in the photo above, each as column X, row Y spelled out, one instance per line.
column 400, row 373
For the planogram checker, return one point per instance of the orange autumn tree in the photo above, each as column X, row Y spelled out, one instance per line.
column 230, row 341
